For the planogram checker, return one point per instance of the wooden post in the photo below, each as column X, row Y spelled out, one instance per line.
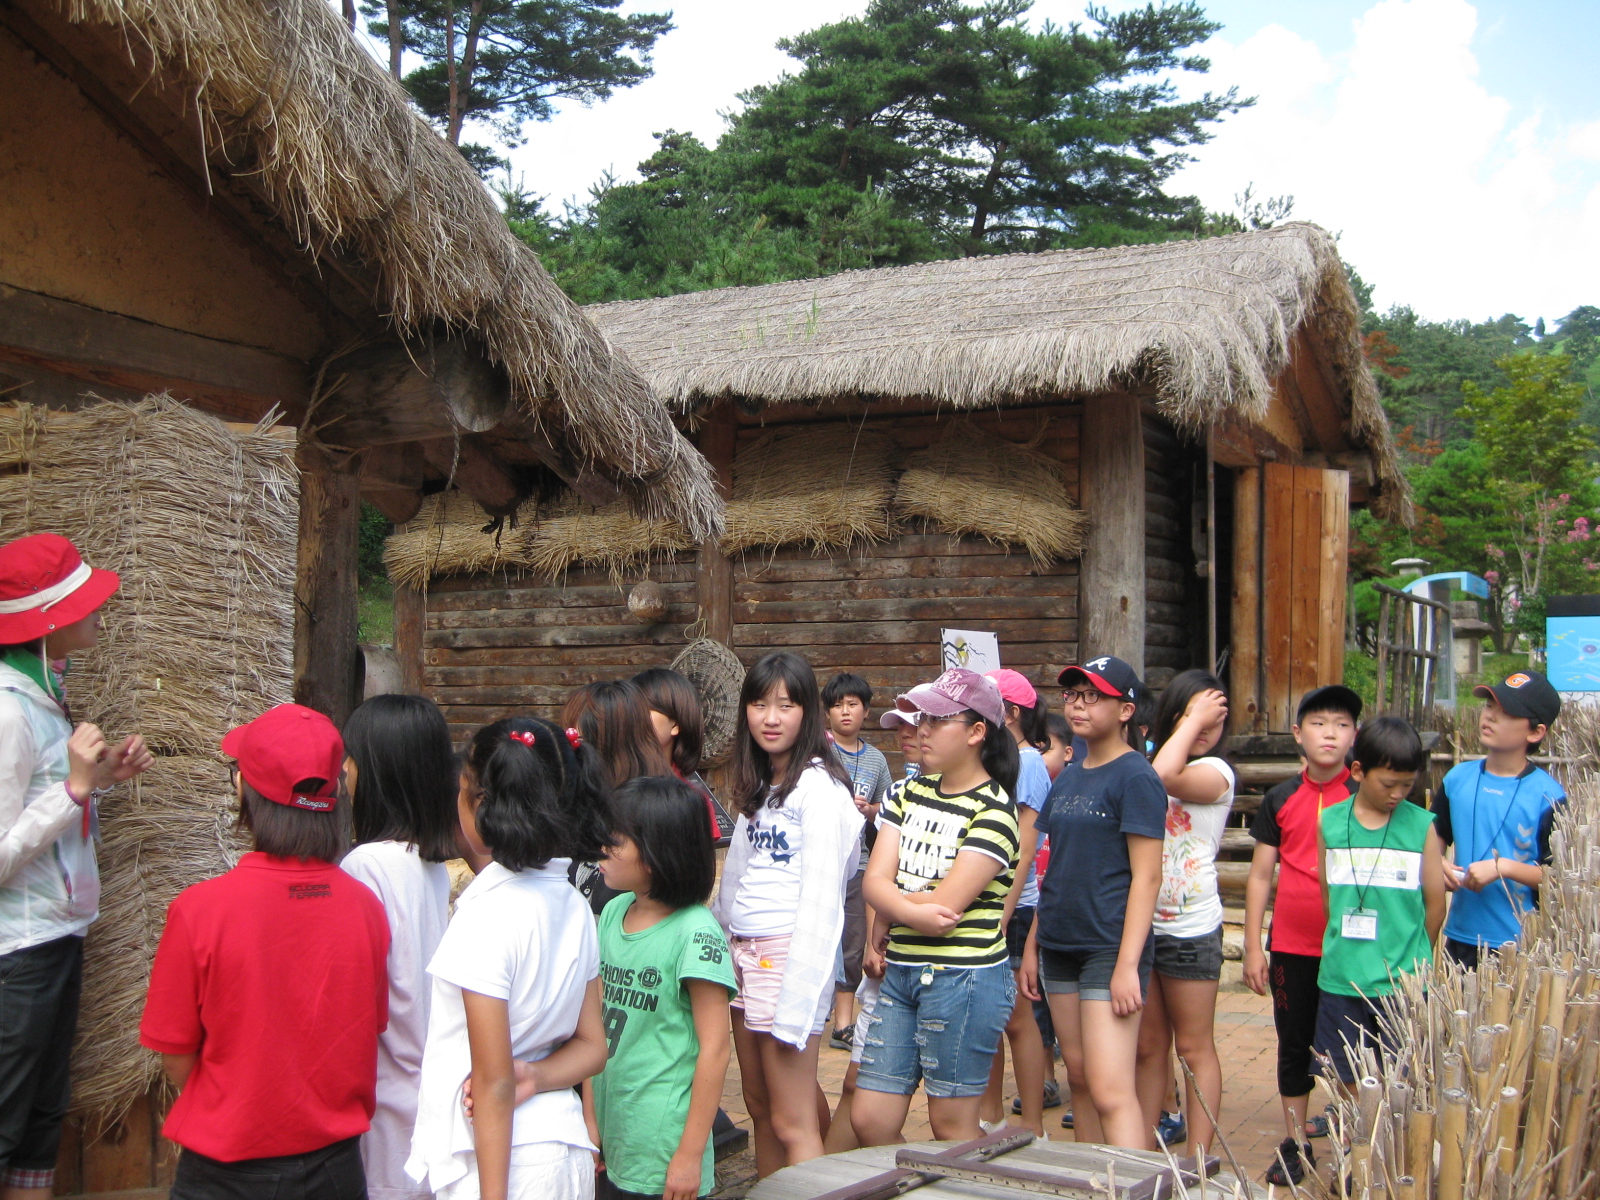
column 1111, row 593
column 714, row 587
column 410, row 624
column 326, row 657
column 1244, row 659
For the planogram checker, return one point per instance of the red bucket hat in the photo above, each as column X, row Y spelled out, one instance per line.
column 45, row 585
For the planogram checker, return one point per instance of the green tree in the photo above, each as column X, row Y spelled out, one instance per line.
column 507, row 62
column 1536, row 453
column 990, row 134
column 1438, row 357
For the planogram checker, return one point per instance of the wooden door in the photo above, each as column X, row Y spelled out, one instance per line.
column 1305, row 517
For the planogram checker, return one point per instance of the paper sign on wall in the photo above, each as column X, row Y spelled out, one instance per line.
column 970, row 648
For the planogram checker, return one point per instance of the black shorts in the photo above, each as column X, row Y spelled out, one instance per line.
column 331, row 1173
column 1345, row 1026
column 1017, row 934
column 1197, row 958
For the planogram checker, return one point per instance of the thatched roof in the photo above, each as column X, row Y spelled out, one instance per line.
column 1206, row 324
column 334, row 143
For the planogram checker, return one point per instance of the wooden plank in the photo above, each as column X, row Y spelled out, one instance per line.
column 1111, row 457
column 549, row 595
column 100, row 347
column 122, row 1157
column 326, row 596
column 1335, row 569
column 950, row 610
column 499, row 587
column 476, row 471
column 893, row 632
column 1244, row 659
column 1047, row 587
column 1324, row 412
column 410, row 619
column 715, row 590
column 1024, row 656
column 612, row 620
column 1305, row 583
column 1278, row 540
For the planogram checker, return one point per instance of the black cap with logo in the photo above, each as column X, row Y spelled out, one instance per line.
column 1107, row 675
column 1525, row 694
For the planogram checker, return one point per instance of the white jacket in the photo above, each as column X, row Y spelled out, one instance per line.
column 49, row 880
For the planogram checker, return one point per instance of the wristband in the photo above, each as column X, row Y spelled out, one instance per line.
column 66, row 786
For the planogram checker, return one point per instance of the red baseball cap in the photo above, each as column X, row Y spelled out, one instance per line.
column 285, row 747
column 45, row 585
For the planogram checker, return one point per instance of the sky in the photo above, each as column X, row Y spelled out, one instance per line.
column 1453, row 147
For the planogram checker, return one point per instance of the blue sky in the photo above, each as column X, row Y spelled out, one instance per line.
column 1453, row 145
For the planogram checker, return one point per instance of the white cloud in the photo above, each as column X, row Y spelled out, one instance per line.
column 1441, row 201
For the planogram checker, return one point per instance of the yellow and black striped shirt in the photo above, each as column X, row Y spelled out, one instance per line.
column 934, row 828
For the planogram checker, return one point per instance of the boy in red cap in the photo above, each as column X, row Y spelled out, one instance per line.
column 270, row 986
column 50, row 777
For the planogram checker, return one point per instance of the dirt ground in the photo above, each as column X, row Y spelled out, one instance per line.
column 1252, row 1120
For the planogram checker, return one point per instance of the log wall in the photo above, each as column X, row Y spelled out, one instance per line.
column 1174, row 602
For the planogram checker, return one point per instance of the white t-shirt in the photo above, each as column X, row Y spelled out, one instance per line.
column 768, row 898
column 526, row 937
column 416, row 899
column 1189, row 904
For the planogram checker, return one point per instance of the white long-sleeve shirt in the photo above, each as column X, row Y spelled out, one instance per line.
column 49, row 879
column 785, row 875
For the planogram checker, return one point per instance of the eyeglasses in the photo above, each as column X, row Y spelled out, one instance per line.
column 1089, row 696
column 928, row 721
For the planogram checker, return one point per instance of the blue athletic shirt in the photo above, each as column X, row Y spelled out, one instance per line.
column 1480, row 813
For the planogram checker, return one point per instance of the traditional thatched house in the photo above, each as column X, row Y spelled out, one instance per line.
column 231, row 202
column 1148, row 451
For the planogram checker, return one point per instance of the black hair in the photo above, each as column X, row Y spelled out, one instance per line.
column 1145, row 706
column 1175, row 698
column 1328, row 704
column 614, row 718
column 1388, row 743
column 284, row 831
column 666, row 819
column 845, row 684
column 406, row 775
column 1058, row 727
column 752, row 766
column 671, row 694
column 1033, row 722
column 540, row 797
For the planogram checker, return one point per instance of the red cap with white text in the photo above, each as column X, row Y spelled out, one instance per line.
column 292, row 755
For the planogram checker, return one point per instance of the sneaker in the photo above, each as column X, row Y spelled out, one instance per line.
column 1052, row 1097
column 989, row 1127
column 1172, row 1129
column 842, row 1039
column 1066, row 1119
column 1289, row 1167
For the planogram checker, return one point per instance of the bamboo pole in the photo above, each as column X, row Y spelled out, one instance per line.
column 1541, row 1098
column 1500, row 1004
column 1479, row 1058
column 1419, row 1152
column 1452, row 1144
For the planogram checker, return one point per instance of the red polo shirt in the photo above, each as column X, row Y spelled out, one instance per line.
column 1288, row 819
column 275, row 975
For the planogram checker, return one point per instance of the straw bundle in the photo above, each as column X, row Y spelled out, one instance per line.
column 451, row 536
column 973, row 482
column 201, row 524
column 826, row 485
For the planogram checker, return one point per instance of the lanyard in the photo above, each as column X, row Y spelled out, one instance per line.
column 1363, row 889
column 1483, row 769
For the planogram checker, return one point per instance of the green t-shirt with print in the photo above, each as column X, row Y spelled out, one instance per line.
column 641, row 1099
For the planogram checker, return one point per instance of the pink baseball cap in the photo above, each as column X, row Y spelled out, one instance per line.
column 1014, row 687
column 957, row 690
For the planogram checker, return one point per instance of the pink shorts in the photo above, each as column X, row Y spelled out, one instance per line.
column 758, row 966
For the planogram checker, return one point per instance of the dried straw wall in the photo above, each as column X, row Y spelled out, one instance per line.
column 200, row 522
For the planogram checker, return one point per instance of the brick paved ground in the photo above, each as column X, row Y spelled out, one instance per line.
column 1252, row 1119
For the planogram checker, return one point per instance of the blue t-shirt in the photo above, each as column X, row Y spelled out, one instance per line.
column 1033, row 788
column 1084, row 896
column 1480, row 813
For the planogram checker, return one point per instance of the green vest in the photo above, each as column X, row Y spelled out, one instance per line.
column 1378, row 871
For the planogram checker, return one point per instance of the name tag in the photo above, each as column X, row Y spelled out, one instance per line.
column 1360, row 925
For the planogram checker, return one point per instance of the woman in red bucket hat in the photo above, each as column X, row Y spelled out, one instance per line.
column 50, row 775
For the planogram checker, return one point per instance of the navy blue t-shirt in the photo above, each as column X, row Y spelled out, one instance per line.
column 1084, row 896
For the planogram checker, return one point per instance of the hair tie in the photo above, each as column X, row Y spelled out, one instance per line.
column 574, row 738
column 526, row 737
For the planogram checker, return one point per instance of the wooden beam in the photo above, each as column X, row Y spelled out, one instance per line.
column 397, row 466
column 410, row 619
column 1111, row 599
column 398, row 504
column 1335, row 555
column 1244, row 659
column 326, row 656
column 477, row 472
column 714, row 585
column 100, row 347
column 391, row 392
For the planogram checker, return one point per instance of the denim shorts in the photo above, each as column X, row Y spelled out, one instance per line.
column 1087, row 973
column 1017, row 934
column 1190, row 958
column 943, row 1032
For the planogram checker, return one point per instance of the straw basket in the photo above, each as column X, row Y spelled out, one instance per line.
column 717, row 675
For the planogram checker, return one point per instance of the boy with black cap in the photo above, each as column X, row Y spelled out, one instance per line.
column 270, row 986
column 1285, row 830
column 1497, row 812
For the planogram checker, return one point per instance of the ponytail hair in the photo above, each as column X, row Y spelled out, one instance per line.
column 752, row 766
column 1033, row 723
column 540, row 797
column 999, row 752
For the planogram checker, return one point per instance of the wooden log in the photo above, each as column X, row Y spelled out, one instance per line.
column 392, row 392
column 1277, row 537
column 475, row 469
column 410, row 618
column 1111, row 454
column 398, row 504
column 1334, row 563
column 326, row 656
column 715, row 588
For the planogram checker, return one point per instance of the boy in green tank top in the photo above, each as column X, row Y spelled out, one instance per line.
column 1382, row 871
